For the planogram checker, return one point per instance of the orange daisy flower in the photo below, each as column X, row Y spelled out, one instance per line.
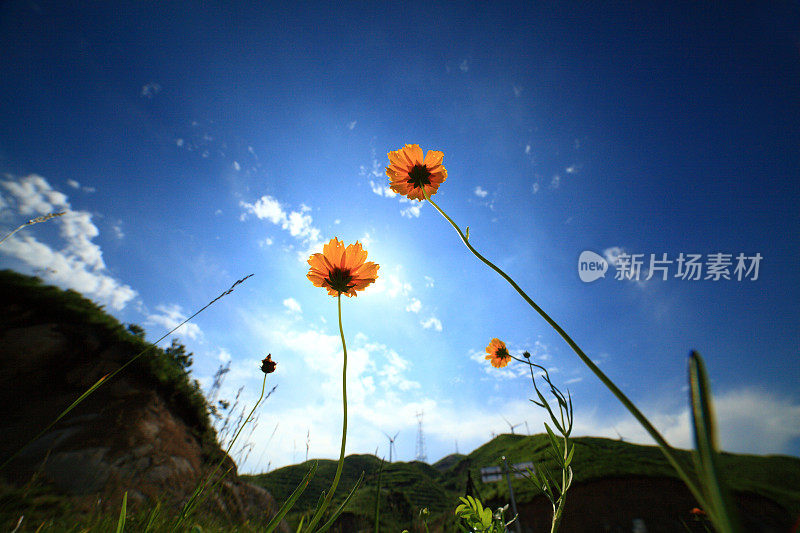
column 498, row 353
column 342, row 270
column 409, row 172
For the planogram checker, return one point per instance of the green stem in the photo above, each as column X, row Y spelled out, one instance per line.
column 339, row 466
column 666, row 449
column 194, row 500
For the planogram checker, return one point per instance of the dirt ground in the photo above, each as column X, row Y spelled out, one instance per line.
column 644, row 504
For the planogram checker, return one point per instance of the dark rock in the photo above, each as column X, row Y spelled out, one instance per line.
column 131, row 434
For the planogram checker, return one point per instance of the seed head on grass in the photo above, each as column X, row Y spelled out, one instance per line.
column 42, row 218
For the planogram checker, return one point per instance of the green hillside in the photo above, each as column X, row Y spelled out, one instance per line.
column 408, row 487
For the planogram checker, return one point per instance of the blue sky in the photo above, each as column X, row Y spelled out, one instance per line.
column 193, row 144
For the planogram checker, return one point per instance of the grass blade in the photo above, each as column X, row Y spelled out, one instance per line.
column 152, row 520
column 706, row 446
column 122, row 513
column 333, row 518
column 378, row 500
column 290, row 501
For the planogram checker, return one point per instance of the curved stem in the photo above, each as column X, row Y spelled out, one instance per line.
column 339, row 466
column 666, row 449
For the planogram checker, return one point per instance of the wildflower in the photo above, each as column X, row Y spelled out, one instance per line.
column 697, row 512
column 409, row 172
column 342, row 270
column 498, row 353
column 268, row 365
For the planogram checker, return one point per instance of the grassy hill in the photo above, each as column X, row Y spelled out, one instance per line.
column 408, row 487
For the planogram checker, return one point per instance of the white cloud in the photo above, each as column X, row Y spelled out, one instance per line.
column 535, row 188
column 414, row 306
column 223, row 356
column 150, row 90
column 412, row 211
column 432, row 322
column 79, row 264
column 172, row 315
column 392, row 285
column 555, row 182
column 749, row 420
column 382, row 190
column 464, row 66
column 366, row 240
column 75, row 185
column 517, row 90
column 236, row 166
column 179, row 142
column 292, row 305
column 351, row 125
column 527, row 149
column 265, row 207
column 428, row 281
column 479, row 192
column 297, row 223
column 380, row 393
column 572, row 169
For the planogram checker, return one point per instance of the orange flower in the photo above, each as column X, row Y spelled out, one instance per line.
column 409, row 173
column 498, row 353
column 342, row 270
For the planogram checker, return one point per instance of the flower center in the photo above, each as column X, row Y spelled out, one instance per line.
column 502, row 353
column 419, row 176
column 339, row 280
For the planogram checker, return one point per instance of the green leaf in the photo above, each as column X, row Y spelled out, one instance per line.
column 706, row 446
column 339, row 511
column 152, row 520
column 554, row 444
column 292, row 498
column 122, row 513
column 568, row 460
column 486, row 518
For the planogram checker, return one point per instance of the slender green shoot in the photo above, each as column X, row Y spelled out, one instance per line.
column 195, row 499
column 666, row 449
column 122, row 514
column 561, row 451
column 287, row 505
column 378, row 500
column 706, row 448
column 321, row 509
column 341, row 507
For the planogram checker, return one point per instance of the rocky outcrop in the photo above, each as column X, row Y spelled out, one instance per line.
column 132, row 434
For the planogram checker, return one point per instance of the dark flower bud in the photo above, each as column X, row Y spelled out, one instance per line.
column 526, row 355
column 268, row 365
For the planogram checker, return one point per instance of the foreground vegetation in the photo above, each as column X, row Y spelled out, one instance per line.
column 406, row 488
